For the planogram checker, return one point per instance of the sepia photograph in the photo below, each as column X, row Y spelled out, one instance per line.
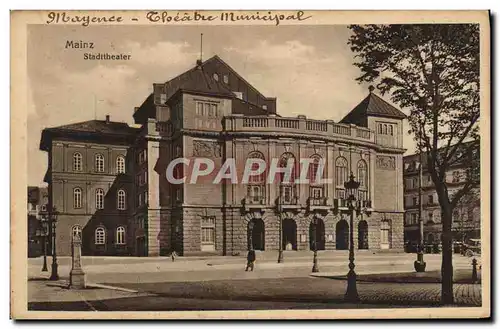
column 258, row 165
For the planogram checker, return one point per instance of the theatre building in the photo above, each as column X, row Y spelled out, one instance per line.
column 212, row 112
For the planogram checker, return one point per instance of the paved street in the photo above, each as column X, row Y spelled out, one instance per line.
column 112, row 270
column 212, row 283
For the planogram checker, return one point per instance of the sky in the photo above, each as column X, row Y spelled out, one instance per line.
column 308, row 68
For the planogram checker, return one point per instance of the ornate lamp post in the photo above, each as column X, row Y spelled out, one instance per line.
column 419, row 264
column 250, row 232
column 315, row 248
column 53, row 220
column 42, row 232
column 351, row 188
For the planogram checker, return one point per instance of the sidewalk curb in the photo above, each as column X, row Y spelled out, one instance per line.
column 105, row 286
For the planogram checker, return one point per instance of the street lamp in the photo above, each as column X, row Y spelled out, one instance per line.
column 250, row 230
column 419, row 264
column 54, row 276
column 351, row 188
column 42, row 232
column 315, row 248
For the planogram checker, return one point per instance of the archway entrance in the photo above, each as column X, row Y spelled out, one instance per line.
column 289, row 234
column 363, row 235
column 342, row 234
column 258, row 232
column 320, row 235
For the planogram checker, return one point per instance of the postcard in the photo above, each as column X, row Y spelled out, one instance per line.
column 250, row 164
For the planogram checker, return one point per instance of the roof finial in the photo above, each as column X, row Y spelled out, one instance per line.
column 371, row 88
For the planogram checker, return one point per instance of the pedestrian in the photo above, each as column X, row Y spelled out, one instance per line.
column 173, row 255
column 250, row 260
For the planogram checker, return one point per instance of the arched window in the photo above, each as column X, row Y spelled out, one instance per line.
column 120, row 200
column 341, row 174
column 287, row 189
column 100, row 235
column 77, row 198
column 362, row 174
column 99, row 198
column 76, row 230
column 313, row 169
column 385, row 129
column 256, row 183
column 99, row 162
column 120, row 235
column 256, row 179
column 391, row 130
column 285, row 157
column 120, row 165
column 77, row 162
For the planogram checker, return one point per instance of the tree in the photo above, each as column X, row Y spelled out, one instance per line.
column 432, row 71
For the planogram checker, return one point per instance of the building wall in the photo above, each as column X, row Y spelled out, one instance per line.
column 64, row 180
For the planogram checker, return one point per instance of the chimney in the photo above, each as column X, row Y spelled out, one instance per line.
column 107, row 118
column 198, row 63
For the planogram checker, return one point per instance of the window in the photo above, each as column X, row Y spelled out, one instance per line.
column 317, row 192
column 264, row 107
column 76, row 230
column 140, row 222
column 415, row 201
column 145, row 197
column 414, row 219
column 287, row 194
column 120, row 200
column 313, row 169
column 77, row 198
column 120, row 235
column 256, row 193
column 120, row 165
column 430, row 217
column 226, row 79
column 99, row 198
column 139, row 200
column 341, row 174
column 430, row 199
column 206, row 109
column 99, row 163
column 385, row 129
column 77, row 162
column 362, row 174
column 100, row 235
column 216, row 77
column 141, row 156
column 208, row 230
column 256, row 179
column 284, row 164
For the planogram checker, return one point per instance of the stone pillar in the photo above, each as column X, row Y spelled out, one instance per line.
column 76, row 275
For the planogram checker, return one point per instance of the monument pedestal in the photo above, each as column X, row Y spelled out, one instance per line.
column 76, row 275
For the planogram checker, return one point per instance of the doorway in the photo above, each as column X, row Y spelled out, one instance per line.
column 342, row 234
column 257, row 239
column 289, row 234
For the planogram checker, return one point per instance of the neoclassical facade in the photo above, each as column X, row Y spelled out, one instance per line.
column 211, row 112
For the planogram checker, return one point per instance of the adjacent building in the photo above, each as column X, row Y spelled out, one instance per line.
column 37, row 198
column 466, row 216
column 108, row 180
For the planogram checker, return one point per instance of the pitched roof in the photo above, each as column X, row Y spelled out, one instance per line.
column 198, row 81
column 98, row 126
column 243, row 107
column 373, row 105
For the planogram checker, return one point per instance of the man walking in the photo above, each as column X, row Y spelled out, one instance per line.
column 250, row 260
